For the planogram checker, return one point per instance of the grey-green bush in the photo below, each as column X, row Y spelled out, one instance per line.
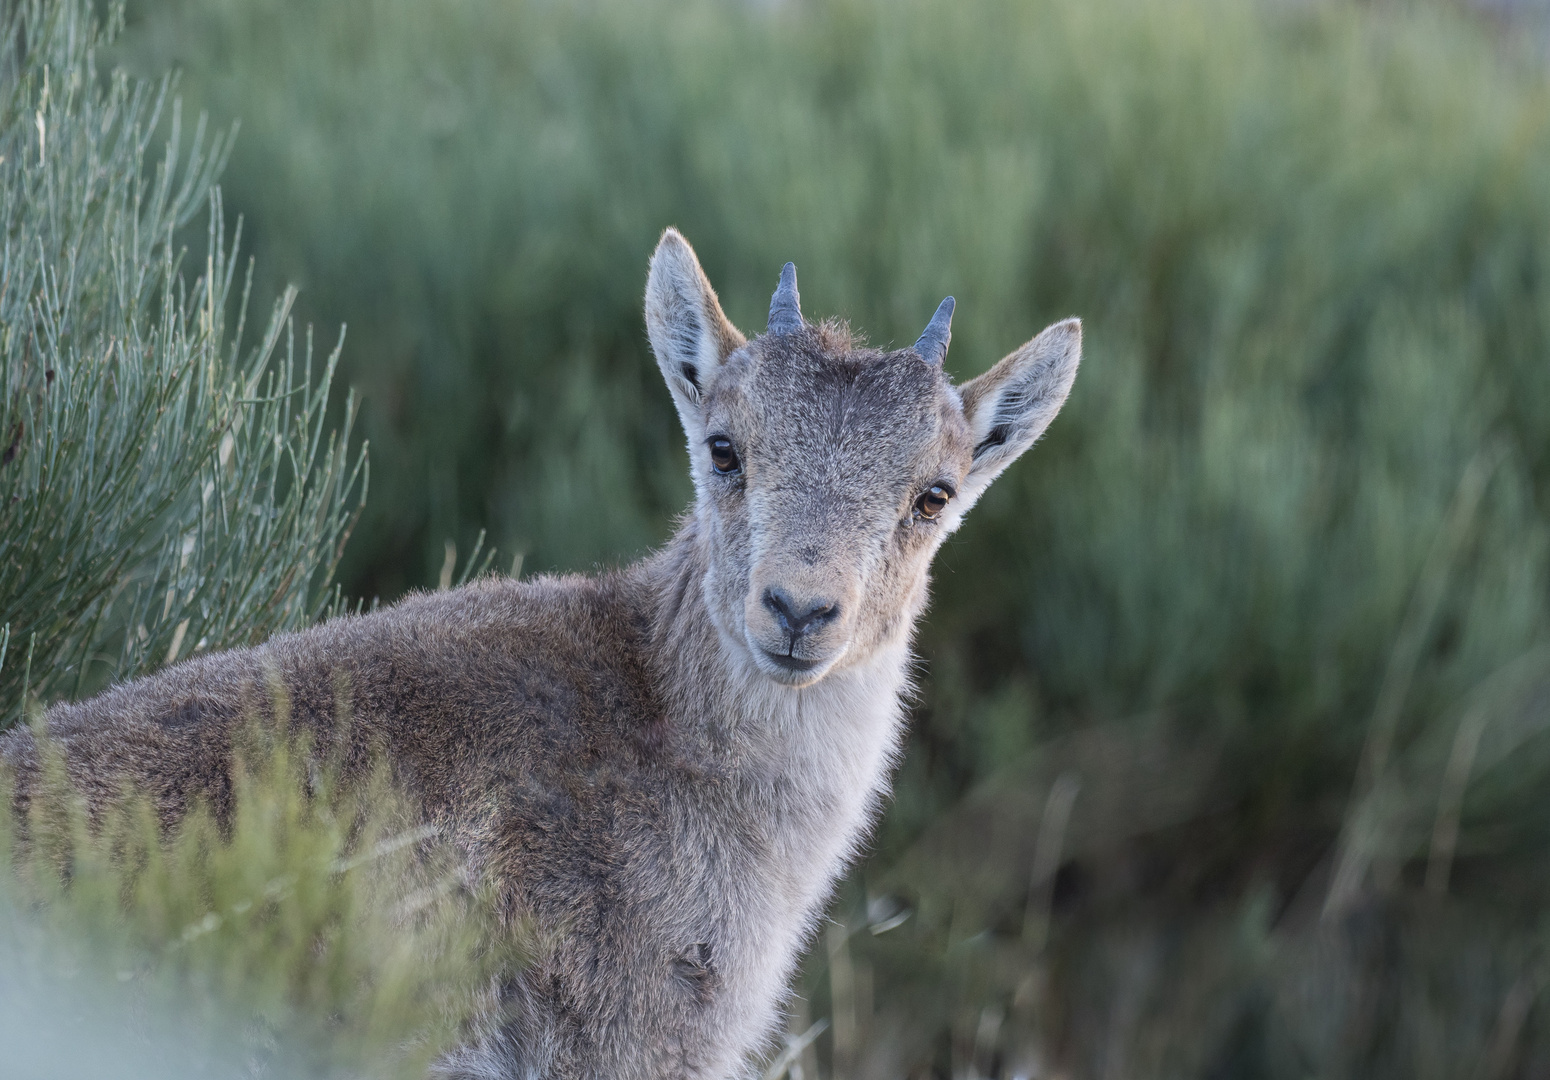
column 160, row 492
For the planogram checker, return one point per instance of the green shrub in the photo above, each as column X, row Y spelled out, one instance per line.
column 159, row 493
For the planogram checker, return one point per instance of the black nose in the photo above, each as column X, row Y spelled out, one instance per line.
column 798, row 622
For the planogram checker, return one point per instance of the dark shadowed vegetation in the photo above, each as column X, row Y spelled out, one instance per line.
column 1231, row 751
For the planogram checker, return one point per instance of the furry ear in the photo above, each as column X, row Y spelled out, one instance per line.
column 689, row 333
column 1010, row 405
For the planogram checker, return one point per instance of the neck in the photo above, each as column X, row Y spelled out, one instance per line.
column 827, row 747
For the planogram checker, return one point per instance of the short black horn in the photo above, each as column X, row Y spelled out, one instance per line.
column 932, row 345
column 786, row 305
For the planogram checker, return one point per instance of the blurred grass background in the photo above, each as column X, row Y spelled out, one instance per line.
column 1232, row 752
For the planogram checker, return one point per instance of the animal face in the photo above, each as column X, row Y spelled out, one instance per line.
column 827, row 473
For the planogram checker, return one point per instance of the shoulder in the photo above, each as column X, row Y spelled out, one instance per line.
column 545, row 639
column 487, row 611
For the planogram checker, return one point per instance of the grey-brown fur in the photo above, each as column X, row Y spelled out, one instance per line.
column 646, row 763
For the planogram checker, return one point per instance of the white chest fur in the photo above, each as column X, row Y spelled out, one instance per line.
column 812, row 766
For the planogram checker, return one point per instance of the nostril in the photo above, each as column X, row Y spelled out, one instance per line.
column 776, row 601
column 817, row 615
column 827, row 613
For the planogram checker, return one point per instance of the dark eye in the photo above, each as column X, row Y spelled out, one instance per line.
column 722, row 457
column 933, row 501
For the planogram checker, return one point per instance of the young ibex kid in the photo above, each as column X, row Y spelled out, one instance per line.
column 663, row 768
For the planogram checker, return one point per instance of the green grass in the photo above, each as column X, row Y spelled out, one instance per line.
column 1273, row 591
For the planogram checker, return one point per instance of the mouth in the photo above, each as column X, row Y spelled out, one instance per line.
column 793, row 664
column 782, row 667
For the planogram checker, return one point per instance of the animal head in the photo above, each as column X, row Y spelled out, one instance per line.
column 827, row 473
